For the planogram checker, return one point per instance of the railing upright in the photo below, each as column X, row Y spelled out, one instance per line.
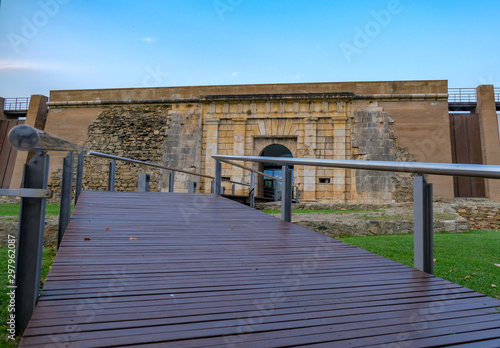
column 111, row 177
column 422, row 225
column 171, row 181
column 79, row 176
column 66, row 195
column 252, row 190
column 30, row 241
column 286, row 193
column 218, row 178
column 192, row 187
column 143, row 183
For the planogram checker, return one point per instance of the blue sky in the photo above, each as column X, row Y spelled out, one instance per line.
column 79, row 44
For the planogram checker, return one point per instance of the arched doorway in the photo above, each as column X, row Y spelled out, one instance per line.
column 267, row 185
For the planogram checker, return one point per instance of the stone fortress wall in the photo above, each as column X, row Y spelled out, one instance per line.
column 182, row 127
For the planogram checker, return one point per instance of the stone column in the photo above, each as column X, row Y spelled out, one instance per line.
column 488, row 126
column 309, row 173
column 2, row 105
column 211, row 141
column 36, row 117
column 239, row 150
column 339, row 152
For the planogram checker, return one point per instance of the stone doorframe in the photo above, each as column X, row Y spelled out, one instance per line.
column 260, row 142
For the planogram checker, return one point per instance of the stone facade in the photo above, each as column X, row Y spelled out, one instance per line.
column 182, row 127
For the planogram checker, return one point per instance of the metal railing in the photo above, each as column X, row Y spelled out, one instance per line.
column 467, row 95
column 16, row 104
column 422, row 191
column 34, row 194
column 462, row 95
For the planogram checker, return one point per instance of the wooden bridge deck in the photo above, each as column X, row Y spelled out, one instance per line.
column 181, row 270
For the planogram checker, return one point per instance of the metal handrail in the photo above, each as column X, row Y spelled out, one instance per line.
column 422, row 191
column 469, row 170
column 462, row 95
column 16, row 104
column 28, row 138
column 468, row 95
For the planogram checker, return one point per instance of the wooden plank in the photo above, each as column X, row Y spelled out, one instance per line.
column 180, row 270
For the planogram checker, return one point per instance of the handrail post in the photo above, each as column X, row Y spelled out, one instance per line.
column 422, row 225
column 286, row 193
column 252, row 190
column 218, row 177
column 276, row 190
column 79, row 176
column 112, row 173
column 30, row 241
column 171, row 181
column 143, row 183
column 66, row 195
column 296, row 194
column 192, row 187
column 233, row 190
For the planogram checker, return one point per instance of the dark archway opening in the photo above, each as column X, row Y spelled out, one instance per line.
column 268, row 186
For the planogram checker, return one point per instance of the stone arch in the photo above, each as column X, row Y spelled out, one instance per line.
column 266, row 185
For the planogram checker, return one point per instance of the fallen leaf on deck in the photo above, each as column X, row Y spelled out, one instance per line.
column 132, row 238
column 108, row 228
column 86, row 239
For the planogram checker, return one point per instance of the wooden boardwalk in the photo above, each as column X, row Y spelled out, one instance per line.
column 183, row 270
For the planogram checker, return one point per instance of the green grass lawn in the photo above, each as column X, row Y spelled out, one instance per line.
column 13, row 209
column 48, row 257
column 467, row 258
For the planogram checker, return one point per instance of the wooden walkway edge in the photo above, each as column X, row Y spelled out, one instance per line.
column 196, row 270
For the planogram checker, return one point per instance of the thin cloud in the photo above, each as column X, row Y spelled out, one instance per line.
column 10, row 66
column 6, row 66
column 148, row 39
